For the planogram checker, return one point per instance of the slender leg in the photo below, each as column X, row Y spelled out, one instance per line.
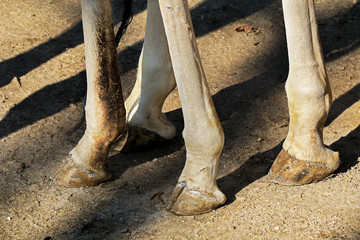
column 105, row 112
column 155, row 81
column 304, row 157
column 196, row 191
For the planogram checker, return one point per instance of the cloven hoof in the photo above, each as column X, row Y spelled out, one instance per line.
column 184, row 201
column 74, row 175
column 138, row 139
column 287, row 170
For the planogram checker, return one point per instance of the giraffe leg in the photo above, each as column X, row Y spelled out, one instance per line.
column 196, row 191
column 305, row 158
column 105, row 112
column 155, row 80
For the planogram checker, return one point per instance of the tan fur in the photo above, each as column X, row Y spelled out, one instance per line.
column 170, row 53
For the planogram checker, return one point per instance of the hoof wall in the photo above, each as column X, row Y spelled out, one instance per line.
column 74, row 175
column 287, row 170
column 185, row 201
column 139, row 139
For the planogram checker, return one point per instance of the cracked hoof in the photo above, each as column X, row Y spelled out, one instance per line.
column 138, row 139
column 184, row 201
column 74, row 175
column 287, row 170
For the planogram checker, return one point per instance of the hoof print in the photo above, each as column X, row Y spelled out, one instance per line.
column 184, row 201
column 287, row 170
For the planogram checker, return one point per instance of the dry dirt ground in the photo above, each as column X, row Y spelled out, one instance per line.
column 42, row 84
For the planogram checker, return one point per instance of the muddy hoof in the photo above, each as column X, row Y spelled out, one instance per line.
column 74, row 175
column 138, row 139
column 184, row 201
column 287, row 170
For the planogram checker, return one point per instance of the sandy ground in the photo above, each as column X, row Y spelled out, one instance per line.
column 42, row 84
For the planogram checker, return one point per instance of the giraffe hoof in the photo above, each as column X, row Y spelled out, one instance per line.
column 287, row 170
column 184, row 201
column 138, row 139
column 74, row 175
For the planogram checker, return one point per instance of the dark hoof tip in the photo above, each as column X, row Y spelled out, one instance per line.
column 139, row 139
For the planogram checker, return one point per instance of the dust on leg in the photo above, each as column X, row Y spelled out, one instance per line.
column 197, row 191
column 305, row 158
column 105, row 111
column 86, row 164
